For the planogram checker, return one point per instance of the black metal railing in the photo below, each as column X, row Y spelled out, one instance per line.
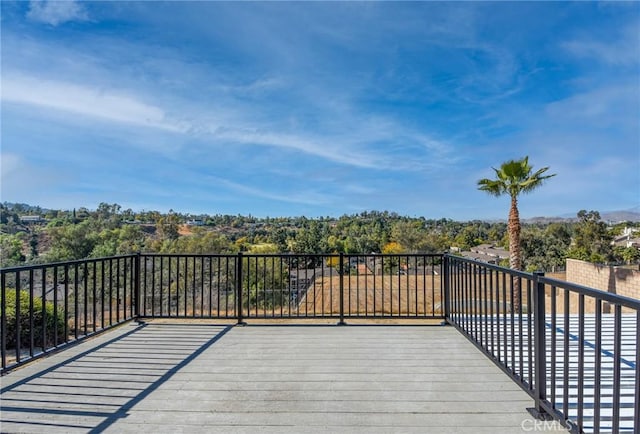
column 291, row 286
column 45, row 307
column 574, row 349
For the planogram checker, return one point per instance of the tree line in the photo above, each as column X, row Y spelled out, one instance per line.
column 109, row 230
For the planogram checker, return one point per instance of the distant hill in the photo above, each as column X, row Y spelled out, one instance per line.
column 629, row 215
column 546, row 220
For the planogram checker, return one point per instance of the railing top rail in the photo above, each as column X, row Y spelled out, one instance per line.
column 288, row 254
column 218, row 255
column 518, row 273
column 190, row 255
column 622, row 300
column 580, row 289
column 62, row 263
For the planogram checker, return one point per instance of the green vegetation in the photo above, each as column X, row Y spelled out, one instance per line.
column 54, row 323
column 592, row 240
column 109, row 230
column 545, row 247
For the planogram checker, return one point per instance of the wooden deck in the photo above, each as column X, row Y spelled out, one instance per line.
column 202, row 378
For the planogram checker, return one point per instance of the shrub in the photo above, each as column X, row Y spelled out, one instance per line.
column 53, row 323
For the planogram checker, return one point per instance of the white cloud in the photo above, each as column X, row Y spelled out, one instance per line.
column 307, row 145
column 308, row 198
column 86, row 101
column 359, row 189
column 624, row 51
column 350, row 148
column 9, row 163
column 19, row 183
column 609, row 105
column 57, row 12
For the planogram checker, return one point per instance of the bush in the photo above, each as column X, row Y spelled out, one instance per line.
column 52, row 322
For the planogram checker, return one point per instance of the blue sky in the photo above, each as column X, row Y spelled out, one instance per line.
column 319, row 109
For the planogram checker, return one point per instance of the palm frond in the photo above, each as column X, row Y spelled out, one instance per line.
column 535, row 180
column 514, row 177
column 491, row 186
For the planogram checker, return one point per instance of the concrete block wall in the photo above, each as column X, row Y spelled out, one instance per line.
column 617, row 280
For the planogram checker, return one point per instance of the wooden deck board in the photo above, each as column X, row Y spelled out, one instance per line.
column 278, row 378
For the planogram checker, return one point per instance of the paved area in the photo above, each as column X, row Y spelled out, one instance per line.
column 199, row 378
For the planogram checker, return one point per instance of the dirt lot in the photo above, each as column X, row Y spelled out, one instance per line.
column 398, row 295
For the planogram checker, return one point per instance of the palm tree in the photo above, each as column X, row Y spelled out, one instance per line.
column 514, row 177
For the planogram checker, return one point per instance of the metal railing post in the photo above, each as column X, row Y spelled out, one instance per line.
column 239, row 311
column 3, row 321
column 341, row 271
column 445, row 288
column 540, row 351
column 19, row 322
column 136, row 273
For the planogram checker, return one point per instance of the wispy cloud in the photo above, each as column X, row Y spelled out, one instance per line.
column 350, row 148
column 85, row 101
column 17, row 178
column 608, row 105
column 10, row 163
column 621, row 49
column 56, row 12
column 297, row 143
column 308, row 197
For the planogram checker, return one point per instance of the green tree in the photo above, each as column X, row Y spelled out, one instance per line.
column 33, row 245
column 33, row 315
column 408, row 234
column 202, row 241
column 81, row 214
column 393, row 248
column 121, row 241
column 544, row 249
column 265, row 279
column 108, row 215
column 514, row 177
column 167, row 226
column 497, row 232
column 591, row 240
column 467, row 238
column 11, row 250
column 628, row 255
column 312, row 238
column 70, row 242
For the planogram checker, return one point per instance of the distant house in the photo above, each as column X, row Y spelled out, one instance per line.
column 487, row 253
column 627, row 241
column 31, row 219
column 629, row 238
column 195, row 222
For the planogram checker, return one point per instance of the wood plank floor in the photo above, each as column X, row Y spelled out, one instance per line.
column 199, row 378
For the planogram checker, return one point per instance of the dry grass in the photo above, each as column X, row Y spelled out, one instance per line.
column 393, row 295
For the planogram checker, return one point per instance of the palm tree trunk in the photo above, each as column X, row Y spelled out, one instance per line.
column 515, row 256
